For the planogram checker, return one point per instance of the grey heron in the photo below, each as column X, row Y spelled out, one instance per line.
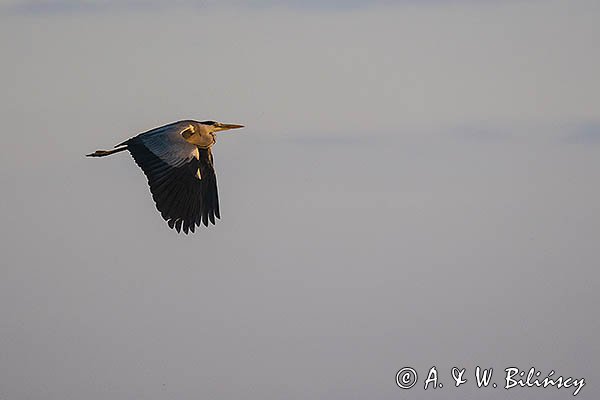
column 177, row 161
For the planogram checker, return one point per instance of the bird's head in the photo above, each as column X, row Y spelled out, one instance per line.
column 214, row 126
column 203, row 133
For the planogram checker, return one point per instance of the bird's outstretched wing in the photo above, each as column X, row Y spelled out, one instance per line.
column 180, row 175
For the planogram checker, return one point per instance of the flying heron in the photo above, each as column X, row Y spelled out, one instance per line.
column 177, row 160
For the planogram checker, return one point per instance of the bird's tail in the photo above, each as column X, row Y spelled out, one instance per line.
column 104, row 153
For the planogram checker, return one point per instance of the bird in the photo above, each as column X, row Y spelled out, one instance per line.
column 178, row 163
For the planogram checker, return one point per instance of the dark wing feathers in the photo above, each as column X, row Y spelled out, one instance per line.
column 209, row 192
column 183, row 199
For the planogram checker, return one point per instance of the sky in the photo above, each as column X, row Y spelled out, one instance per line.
column 416, row 185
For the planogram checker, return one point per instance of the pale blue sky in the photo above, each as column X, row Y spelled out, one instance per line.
column 416, row 185
column 60, row 6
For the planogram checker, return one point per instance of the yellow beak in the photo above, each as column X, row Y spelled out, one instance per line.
column 226, row 127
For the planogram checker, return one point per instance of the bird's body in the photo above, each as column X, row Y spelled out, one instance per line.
column 177, row 160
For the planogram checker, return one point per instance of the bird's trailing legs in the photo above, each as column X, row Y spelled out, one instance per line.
column 104, row 153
